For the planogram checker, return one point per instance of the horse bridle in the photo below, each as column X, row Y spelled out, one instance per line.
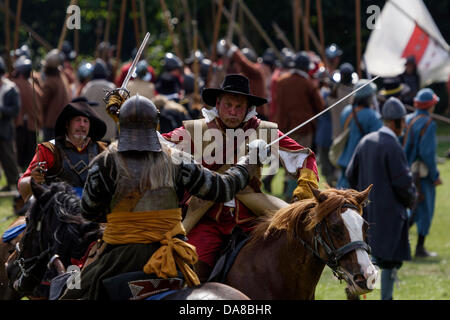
column 22, row 262
column 333, row 254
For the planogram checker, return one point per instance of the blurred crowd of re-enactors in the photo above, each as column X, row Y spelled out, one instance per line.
column 298, row 86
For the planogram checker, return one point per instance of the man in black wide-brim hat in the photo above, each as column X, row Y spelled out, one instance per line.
column 232, row 108
column 66, row 158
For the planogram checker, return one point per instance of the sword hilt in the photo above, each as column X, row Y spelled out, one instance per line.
column 114, row 100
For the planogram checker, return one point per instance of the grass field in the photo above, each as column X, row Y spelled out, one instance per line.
column 419, row 279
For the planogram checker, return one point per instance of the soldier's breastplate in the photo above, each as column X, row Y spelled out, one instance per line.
column 74, row 165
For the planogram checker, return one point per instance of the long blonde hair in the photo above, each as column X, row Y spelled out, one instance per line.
column 151, row 170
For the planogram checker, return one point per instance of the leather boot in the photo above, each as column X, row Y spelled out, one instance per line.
column 203, row 270
column 421, row 252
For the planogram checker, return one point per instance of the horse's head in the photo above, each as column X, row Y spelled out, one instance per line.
column 339, row 236
column 54, row 212
column 26, row 266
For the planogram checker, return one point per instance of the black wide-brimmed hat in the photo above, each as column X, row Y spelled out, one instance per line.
column 97, row 127
column 235, row 84
column 393, row 86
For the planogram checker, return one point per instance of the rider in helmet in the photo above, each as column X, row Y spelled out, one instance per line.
column 135, row 188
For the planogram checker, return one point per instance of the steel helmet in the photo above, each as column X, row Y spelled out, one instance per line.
column 138, row 120
column 302, row 61
column 333, row 51
column 250, row 54
column 53, row 59
column 171, row 62
column 84, row 71
column 23, row 65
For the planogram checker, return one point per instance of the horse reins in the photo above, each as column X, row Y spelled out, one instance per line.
column 21, row 262
column 333, row 254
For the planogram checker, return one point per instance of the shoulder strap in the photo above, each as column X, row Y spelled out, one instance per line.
column 422, row 132
column 411, row 123
column 347, row 121
column 350, row 116
column 355, row 111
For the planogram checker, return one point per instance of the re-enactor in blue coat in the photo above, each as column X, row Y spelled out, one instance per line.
column 380, row 160
column 368, row 119
column 420, row 145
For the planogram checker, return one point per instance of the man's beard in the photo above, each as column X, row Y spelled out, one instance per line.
column 79, row 137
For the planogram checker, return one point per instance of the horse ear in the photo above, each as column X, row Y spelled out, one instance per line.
column 37, row 189
column 320, row 197
column 363, row 195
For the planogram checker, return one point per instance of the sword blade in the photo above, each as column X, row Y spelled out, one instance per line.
column 135, row 61
column 322, row 112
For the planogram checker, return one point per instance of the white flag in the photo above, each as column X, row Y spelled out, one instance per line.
column 405, row 28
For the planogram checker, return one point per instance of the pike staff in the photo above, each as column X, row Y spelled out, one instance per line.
column 40, row 164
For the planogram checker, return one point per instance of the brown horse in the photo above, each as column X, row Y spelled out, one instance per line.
column 287, row 252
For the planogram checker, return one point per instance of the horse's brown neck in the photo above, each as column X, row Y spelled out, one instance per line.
column 276, row 269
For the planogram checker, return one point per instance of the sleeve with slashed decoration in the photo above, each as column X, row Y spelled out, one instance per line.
column 98, row 189
column 209, row 185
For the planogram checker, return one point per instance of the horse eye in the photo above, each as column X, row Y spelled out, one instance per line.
column 335, row 228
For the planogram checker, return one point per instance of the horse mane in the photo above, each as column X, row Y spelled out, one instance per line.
column 67, row 208
column 306, row 213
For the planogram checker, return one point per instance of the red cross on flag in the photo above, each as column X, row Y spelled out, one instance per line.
column 405, row 28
